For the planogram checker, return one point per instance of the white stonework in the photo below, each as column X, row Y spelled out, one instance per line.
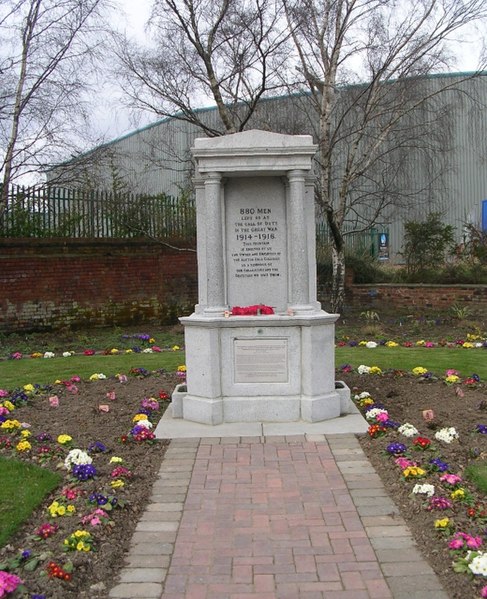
column 256, row 245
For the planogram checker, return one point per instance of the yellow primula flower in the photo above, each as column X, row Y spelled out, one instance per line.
column 362, row 342
column 10, row 425
column 71, row 509
column 114, row 351
column 81, row 534
column 138, row 417
column 391, row 344
column 419, row 370
column 413, row 471
column 152, row 340
column 443, row 523
column 117, row 484
column 458, row 494
column 9, row 405
column 452, row 378
column 115, row 460
column 468, row 345
column 375, row 370
column 25, row 433
column 367, row 401
column 23, row 446
column 129, row 351
column 420, row 342
column 36, row 354
column 57, row 382
column 175, row 348
column 29, row 388
column 63, row 439
column 182, row 368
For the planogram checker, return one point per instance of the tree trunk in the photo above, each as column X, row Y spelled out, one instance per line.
column 337, row 298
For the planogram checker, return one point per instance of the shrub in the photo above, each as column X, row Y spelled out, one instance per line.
column 426, row 244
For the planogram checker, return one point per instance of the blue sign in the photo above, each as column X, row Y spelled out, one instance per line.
column 383, row 246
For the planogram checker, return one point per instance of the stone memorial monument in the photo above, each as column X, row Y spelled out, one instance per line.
column 258, row 346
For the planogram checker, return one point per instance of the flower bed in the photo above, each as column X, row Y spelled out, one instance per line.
column 99, row 434
column 424, row 430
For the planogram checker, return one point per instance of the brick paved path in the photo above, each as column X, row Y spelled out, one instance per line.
column 273, row 518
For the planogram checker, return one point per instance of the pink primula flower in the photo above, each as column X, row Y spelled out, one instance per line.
column 54, row 401
column 455, row 544
column 483, row 592
column 451, row 479
column 462, row 539
column 3, row 411
column 4, row 393
column 382, row 417
column 8, row 583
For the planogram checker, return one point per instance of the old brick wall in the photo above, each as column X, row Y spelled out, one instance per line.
column 438, row 297
column 54, row 283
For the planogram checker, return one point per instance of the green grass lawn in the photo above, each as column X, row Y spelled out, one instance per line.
column 16, row 373
column 437, row 360
column 18, row 501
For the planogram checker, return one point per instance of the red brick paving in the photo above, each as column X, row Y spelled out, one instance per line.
column 271, row 520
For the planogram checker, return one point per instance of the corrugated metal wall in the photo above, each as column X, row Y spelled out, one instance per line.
column 157, row 159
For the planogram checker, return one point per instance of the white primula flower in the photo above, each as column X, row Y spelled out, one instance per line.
column 371, row 344
column 362, row 395
column 447, row 435
column 76, row 457
column 425, row 489
column 362, row 369
column 408, row 430
column 147, row 350
column 67, row 354
column 49, row 354
column 144, row 423
column 479, row 564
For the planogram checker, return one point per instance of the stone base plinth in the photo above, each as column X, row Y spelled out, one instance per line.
column 275, row 368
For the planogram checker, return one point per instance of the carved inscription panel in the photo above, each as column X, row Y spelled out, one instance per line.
column 256, row 248
column 261, row 361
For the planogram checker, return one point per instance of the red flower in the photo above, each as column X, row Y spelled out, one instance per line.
column 89, row 352
column 163, row 395
column 252, row 310
column 376, row 430
column 422, row 442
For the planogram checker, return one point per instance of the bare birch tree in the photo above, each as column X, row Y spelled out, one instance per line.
column 227, row 52
column 47, row 46
column 363, row 65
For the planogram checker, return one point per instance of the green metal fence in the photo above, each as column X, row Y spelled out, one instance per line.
column 44, row 211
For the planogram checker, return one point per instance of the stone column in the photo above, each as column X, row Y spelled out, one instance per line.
column 215, row 278
column 298, row 234
column 199, row 186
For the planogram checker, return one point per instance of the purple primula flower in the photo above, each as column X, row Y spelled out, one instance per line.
column 43, row 437
column 439, row 465
column 84, row 471
column 97, row 447
column 396, row 448
column 482, row 428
